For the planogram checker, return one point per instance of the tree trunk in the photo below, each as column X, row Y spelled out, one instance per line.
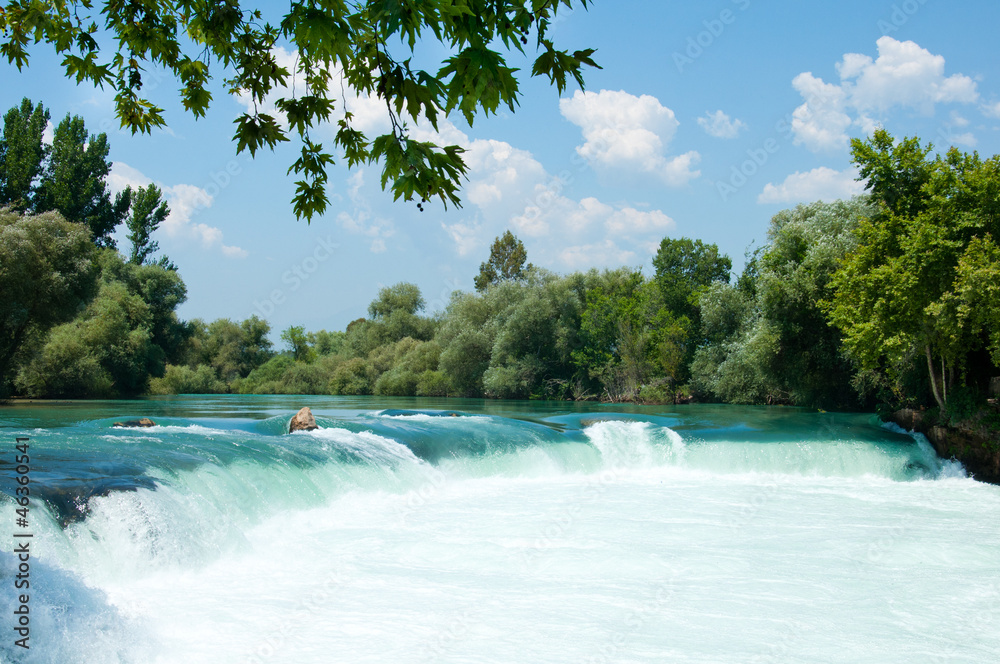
column 934, row 385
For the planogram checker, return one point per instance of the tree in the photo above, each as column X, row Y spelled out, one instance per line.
column 768, row 339
column 123, row 337
column 73, row 181
column 367, row 48
column 234, row 349
column 683, row 268
column 912, row 293
column 403, row 297
column 628, row 338
column 47, row 273
column 22, row 153
column 298, row 342
column 147, row 213
column 506, row 262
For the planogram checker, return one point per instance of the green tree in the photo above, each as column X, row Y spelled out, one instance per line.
column 404, row 297
column 298, row 342
column 104, row 352
column 506, row 262
column 233, row 349
column 768, row 340
column 629, row 339
column 122, row 338
column 47, row 273
column 909, row 295
column 73, row 181
column 22, row 154
column 685, row 267
column 147, row 212
column 371, row 43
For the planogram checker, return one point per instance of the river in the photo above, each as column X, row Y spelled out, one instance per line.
column 422, row 530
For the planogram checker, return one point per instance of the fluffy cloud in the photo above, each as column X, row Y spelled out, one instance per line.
column 621, row 130
column 361, row 220
column 904, row 75
column 604, row 253
column 992, row 110
column 818, row 184
column 720, row 125
column 184, row 201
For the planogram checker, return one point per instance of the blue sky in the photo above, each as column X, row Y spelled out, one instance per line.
column 706, row 119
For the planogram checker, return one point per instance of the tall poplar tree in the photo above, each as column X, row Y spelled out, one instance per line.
column 22, row 153
column 74, row 181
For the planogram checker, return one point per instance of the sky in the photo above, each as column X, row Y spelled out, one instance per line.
column 705, row 120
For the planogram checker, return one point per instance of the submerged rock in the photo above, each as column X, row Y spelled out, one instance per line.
column 132, row 424
column 303, row 421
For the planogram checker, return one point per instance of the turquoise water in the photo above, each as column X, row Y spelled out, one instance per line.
column 416, row 530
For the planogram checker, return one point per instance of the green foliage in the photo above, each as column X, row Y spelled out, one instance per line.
column 124, row 336
column 73, row 181
column 373, row 44
column 628, row 338
column 70, row 177
column 327, row 343
column 403, row 297
column 514, row 340
column 106, row 351
column 767, row 340
column 233, row 350
column 350, row 378
column 433, row 384
column 506, row 262
column 184, row 380
column 298, row 342
column 147, row 213
column 917, row 290
column 684, row 268
column 22, row 153
column 47, row 274
column 266, row 377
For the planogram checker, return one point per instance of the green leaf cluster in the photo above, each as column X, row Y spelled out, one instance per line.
column 368, row 47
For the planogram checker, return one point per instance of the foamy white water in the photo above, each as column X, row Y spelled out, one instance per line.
column 629, row 541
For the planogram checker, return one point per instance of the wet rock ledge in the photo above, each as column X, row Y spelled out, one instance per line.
column 977, row 448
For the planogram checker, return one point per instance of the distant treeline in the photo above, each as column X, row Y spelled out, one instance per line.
column 891, row 299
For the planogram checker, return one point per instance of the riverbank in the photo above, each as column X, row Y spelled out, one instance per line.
column 977, row 447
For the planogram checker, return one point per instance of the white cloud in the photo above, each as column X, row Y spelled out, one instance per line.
column 720, row 125
column 630, row 222
column 184, row 201
column 361, row 220
column 604, row 253
column 468, row 238
column 818, row 184
column 820, row 123
column 904, row 75
column 621, row 130
column 992, row 110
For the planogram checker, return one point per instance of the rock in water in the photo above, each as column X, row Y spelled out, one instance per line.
column 129, row 424
column 303, row 421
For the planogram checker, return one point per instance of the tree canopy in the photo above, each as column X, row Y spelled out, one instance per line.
column 506, row 262
column 367, row 47
column 70, row 177
column 920, row 288
column 46, row 273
